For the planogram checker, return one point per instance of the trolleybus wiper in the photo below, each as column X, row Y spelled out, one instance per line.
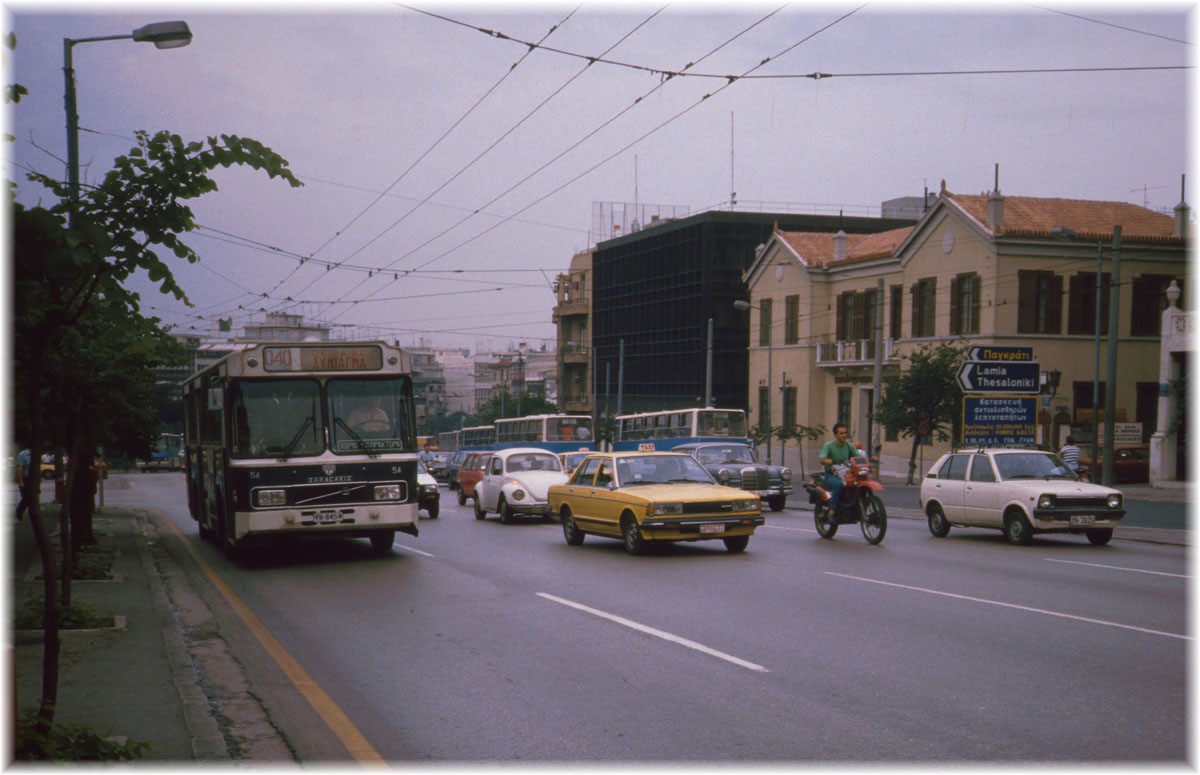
column 361, row 444
column 291, row 447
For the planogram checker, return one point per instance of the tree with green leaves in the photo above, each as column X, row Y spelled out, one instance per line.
column 72, row 260
column 801, row 434
column 503, row 407
column 925, row 399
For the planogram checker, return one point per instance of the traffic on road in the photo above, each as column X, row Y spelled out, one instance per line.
column 479, row 641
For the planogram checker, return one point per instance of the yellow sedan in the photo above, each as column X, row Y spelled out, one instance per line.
column 640, row 497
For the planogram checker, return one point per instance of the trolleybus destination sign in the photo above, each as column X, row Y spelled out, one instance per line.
column 322, row 358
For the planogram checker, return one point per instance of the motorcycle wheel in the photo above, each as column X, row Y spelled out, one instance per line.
column 826, row 527
column 873, row 520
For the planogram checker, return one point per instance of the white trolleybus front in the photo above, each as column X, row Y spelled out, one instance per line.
column 303, row 439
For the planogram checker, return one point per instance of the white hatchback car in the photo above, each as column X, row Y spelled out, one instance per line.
column 515, row 482
column 1019, row 491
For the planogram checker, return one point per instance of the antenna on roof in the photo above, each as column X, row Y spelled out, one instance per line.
column 732, row 189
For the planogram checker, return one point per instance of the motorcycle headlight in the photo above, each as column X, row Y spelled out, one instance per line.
column 660, row 509
column 387, row 492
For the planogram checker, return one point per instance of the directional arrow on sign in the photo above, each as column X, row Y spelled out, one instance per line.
column 999, row 377
column 1000, row 354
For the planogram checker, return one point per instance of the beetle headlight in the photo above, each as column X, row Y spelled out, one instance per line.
column 747, row 504
column 1114, row 501
column 659, row 509
column 387, row 492
column 1047, row 501
column 270, row 498
column 518, row 494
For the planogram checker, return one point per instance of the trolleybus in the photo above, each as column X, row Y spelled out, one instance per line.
column 663, row 430
column 553, row 432
column 307, row 439
column 479, row 438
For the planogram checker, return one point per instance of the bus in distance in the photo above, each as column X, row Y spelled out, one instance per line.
column 663, row 430
column 553, row 432
column 479, row 438
column 302, row 439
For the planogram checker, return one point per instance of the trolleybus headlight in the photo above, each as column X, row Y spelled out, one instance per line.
column 387, row 492
column 270, row 498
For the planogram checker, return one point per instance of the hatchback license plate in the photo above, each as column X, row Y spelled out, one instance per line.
column 327, row 517
column 1083, row 519
column 720, row 528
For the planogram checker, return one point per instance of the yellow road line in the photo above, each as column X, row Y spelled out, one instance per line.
column 329, row 711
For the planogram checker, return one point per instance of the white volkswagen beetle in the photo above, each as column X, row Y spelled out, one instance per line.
column 515, row 482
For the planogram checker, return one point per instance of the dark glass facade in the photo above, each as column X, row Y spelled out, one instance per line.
column 655, row 291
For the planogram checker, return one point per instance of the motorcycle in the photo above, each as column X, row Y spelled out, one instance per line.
column 859, row 502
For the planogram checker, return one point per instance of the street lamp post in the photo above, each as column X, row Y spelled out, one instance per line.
column 746, row 306
column 161, row 34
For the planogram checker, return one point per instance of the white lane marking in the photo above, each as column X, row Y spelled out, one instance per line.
column 1117, row 567
column 1013, row 606
column 414, row 551
column 691, row 644
column 792, row 529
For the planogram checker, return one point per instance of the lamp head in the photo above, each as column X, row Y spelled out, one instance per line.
column 742, row 305
column 164, row 34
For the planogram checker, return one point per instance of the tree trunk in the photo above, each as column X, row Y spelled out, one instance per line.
column 912, row 458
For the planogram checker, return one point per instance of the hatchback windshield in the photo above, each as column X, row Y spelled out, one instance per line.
column 1032, row 465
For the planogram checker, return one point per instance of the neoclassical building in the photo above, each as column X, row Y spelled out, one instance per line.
column 986, row 270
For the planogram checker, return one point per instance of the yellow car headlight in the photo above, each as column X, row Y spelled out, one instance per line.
column 747, row 504
column 661, row 509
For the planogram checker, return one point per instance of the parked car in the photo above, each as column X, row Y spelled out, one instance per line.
column 515, row 482
column 1022, row 492
column 429, row 497
column 1131, row 463
column 572, row 459
column 641, row 497
column 469, row 475
column 735, row 465
column 453, row 464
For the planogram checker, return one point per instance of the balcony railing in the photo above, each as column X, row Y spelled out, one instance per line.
column 574, row 353
column 853, row 352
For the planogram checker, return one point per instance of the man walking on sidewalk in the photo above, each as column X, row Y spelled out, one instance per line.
column 24, row 463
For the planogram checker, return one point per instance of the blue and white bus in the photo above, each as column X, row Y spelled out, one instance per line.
column 663, row 430
column 479, row 438
column 449, row 441
column 553, row 432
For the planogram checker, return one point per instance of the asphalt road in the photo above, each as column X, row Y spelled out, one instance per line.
column 479, row 642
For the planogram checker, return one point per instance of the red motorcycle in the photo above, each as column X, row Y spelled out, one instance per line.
column 859, row 502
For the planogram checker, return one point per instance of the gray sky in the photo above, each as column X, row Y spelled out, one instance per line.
column 450, row 173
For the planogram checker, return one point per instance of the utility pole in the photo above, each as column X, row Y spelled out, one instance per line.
column 1110, row 390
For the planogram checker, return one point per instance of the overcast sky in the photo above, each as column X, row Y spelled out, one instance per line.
column 451, row 168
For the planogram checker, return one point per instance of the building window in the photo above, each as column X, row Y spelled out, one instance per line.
column 1149, row 301
column 791, row 321
column 789, row 407
column 896, row 312
column 964, row 304
column 764, row 322
column 856, row 313
column 764, row 409
column 1081, row 303
column 843, row 407
column 1039, row 302
column 923, row 306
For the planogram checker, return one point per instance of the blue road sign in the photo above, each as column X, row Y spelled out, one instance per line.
column 999, row 377
column 999, row 421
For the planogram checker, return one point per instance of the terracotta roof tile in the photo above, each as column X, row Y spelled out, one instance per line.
column 1032, row 216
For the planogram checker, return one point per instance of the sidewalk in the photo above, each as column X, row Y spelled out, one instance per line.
column 134, row 680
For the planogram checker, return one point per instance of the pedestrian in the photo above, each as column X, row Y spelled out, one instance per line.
column 1070, row 454
column 24, row 463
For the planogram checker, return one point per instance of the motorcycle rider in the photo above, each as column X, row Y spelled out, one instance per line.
column 834, row 453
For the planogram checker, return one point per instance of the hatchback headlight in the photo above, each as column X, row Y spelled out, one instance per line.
column 1047, row 501
column 1114, row 501
column 660, row 509
column 270, row 498
column 387, row 492
column 748, row 504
